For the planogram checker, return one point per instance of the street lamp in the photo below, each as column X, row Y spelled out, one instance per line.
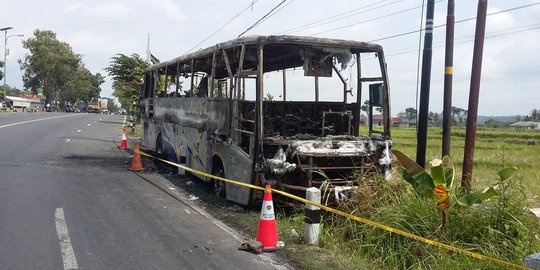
column 5, row 29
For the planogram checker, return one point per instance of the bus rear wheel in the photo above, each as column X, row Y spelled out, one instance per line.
column 218, row 186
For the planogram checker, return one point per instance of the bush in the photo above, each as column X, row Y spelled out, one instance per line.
column 502, row 228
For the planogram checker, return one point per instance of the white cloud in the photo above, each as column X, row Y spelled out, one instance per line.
column 101, row 28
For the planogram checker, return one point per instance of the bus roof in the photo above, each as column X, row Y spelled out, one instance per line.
column 354, row 46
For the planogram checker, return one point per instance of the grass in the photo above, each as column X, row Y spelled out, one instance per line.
column 500, row 229
column 494, row 150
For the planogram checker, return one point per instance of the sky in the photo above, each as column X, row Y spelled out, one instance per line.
column 100, row 29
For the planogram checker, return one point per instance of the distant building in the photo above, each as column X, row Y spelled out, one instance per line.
column 19, row 103
column 37, row 101
column 394, row 121
column 525, row 125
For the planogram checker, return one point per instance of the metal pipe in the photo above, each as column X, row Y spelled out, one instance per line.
column 470, row 134
column 448, row 74
column 424, row 87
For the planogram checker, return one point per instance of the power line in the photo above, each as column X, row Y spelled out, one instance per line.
column 288, row 3
column 225, row 24
column 458, row 21
column 329, row 19
column 467, row 39
column 372, row 19
column 269, row 14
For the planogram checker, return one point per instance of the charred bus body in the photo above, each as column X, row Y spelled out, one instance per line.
column 212, row 110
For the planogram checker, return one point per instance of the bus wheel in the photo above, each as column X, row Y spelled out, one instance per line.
column 159, row 146
column 219, row 187
column 160, row 154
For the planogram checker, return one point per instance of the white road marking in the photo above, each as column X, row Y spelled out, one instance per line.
column 187, row 211
column 95, row 122
column 88, row 125
column 78, row 130
column 68, row 256
column 68, row 140
column 36, row 120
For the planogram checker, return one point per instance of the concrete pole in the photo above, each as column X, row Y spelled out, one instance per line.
column 312, row 217
column 448, row 74
column 425, row 87
column 470, row 133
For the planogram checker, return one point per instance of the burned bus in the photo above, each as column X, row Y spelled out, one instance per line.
column 288, row 111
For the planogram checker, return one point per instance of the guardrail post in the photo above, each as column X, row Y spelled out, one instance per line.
column 312, row 217
column 533, row 261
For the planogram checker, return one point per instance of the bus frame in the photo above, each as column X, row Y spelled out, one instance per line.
column 292, row 145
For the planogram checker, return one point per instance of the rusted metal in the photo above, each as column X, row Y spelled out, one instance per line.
column 476, row 72
column 259, row 109
column 284, row 73
column 425, row 87
column 212, row 76
column 448, row 74
column 177, row 82
column 343, row 80
column 316, row 88
column 386, row 97
column 357, row 121
column 192, row 77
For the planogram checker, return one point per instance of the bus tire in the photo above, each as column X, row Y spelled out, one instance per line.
column 160, row 153
column 218, row 186
column 159, row 146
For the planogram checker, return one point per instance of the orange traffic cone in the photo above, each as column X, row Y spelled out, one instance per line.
column 123, row 142
column 267, row 231
column 136, row 164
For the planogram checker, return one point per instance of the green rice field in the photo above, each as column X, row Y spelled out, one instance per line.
column 494, row 150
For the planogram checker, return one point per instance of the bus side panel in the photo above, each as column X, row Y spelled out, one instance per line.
column 197, row 149
column 170, row 147
column 238, row 166
column 150, row 133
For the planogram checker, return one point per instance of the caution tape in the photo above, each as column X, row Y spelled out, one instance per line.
column 350, row 216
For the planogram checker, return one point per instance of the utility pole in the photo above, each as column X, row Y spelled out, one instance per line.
column 448, row 74
column 470, row 134
column 5, row 29
column 148, row 54
column 424, row 87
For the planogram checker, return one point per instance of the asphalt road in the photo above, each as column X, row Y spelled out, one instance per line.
column 67, row 201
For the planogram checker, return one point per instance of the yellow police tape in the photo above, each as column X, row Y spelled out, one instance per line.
column 350, row 216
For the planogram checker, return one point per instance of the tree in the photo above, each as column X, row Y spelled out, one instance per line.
column 1, row 72
column 82, row 86
column 409, row 114
column 111, row 106
column 434, row 118
column 52, row 65
column 49, row 64
column 534, row 115
column 459, row 116
column 492, row 123
column 127, row 73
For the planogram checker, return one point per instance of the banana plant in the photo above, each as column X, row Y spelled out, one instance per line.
column 439, row 185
